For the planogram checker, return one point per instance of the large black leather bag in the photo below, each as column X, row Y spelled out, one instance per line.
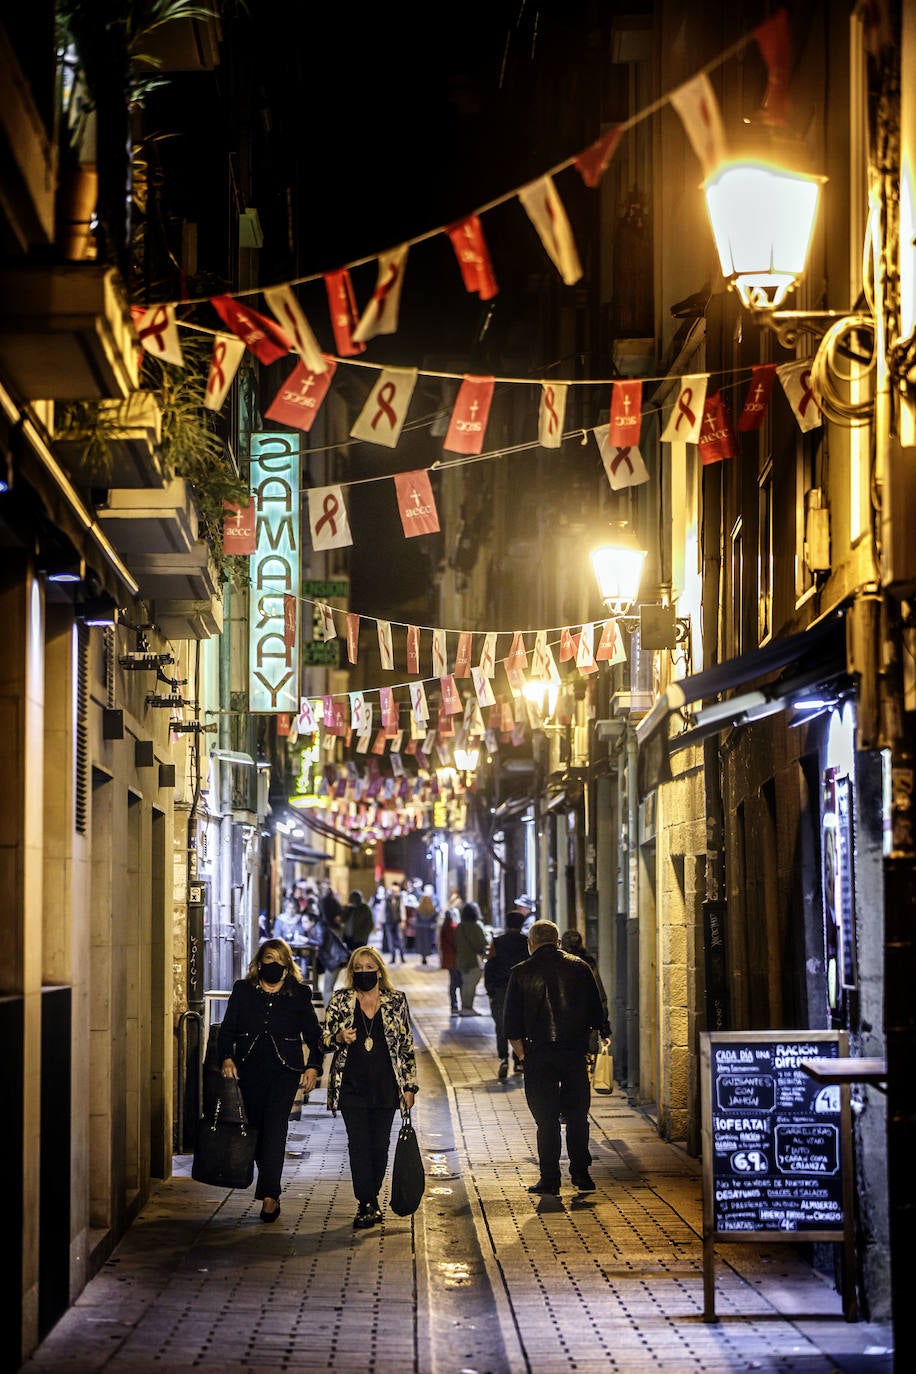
column 225, row 1146
column 408, row 1179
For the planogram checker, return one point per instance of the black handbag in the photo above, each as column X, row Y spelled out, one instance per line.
column 224, row 1150
column 408, row 1179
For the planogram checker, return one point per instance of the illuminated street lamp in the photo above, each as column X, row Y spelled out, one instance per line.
column 762, row 220
column 618, row 565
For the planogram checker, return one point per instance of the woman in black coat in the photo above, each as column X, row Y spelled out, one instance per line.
column 268, row 1023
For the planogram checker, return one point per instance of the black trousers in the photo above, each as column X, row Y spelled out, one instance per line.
column 556, row 1082
column 368, row 1141
column 268, row 1096
column 497, row 1006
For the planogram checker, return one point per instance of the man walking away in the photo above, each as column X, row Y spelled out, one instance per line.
column 507, row 949
column 552, row 1006
column 394, row 922
column 359, row 923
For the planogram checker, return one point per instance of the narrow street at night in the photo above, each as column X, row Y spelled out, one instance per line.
column 484, row 1279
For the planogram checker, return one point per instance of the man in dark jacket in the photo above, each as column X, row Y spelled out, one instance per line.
column 507, row 949
column 359, row 923
column 552, row 1006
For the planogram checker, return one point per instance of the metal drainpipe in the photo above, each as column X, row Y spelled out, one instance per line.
column 632, row 909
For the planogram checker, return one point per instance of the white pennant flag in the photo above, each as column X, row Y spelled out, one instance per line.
column 473, row 720
column 326, row 618
column 287, row 311
column 328, row 521
column 381, row 314
column 382, row 417
column 585, row 654
column 796, row 383
column 158, row 334
column 685, row 419
column 417, row 727
column 362, row 742
column 224, row 364
column 307, row 722
column 386, row 651
column 418, row 704
column 540, row 669
column 552, row 414
column 610, row 646
column 439, row 664
column 482, row 687
column 545, row 210
column 488, row 655
column 360, row 713
column 698, row 108
column 624, row 466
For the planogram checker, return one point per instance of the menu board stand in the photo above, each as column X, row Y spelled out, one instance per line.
column 777, row 1147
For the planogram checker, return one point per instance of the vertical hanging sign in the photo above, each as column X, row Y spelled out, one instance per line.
column 273, row 658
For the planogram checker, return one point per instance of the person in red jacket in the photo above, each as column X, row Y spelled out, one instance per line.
column 447, row 956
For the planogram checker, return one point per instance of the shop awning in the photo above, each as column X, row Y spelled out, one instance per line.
column 805, row 662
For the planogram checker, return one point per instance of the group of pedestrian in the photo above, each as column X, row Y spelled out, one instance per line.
column 546, row 998
column 271, row 1040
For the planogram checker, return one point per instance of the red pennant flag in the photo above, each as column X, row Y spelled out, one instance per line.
column 451, row 701
column 283, row 724
column 593, row 162
column 413, row 648
column 473, row 259
column 506, row 718
column 610, row 646
column 567, row 645
column 299, row 398
column 518, row 656
column 757, row 399
column 416, row 503
column 239, row 530
column 409, row 748
column 260, row 335
column 463, row 655
column 342, row 307
column 469, row 416
column 445, row 726
column 626, row 414
column 378, row 744
column 352, row 636
column 289, row 619
column 774, row 43
column 717, row 438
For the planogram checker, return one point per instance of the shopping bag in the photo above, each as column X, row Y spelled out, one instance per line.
column 224, row 1149
column 408, row 1179
column 603, row 1075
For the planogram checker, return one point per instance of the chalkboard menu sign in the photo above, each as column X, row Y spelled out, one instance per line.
column 776, row 1142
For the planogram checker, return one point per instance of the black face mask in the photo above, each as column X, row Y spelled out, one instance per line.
column 365, row 982
column 271, row 973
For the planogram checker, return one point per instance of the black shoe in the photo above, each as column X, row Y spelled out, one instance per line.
column 518, row 1067
column 365, row 1217
column 503, row 1069
column 376, row 1212
column 270, row 1216
column 584, row 1182
column 552, row 1190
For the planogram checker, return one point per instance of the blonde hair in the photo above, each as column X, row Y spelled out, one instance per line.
column 384, row 981
column 286, row 959
column 543, row 933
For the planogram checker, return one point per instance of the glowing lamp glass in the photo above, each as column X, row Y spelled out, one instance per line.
column 762, row 220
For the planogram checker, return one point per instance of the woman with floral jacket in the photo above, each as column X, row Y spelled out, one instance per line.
column 373, row 1072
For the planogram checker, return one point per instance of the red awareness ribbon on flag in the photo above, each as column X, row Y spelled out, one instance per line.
column 553, row 421
column 683, row 405
column 807, row 393
column 157, row 328
column 216, row 368
column 386, row 394
column 330, row 506
column 623, row 456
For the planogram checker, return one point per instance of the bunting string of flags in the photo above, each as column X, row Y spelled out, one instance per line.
column 287, row 329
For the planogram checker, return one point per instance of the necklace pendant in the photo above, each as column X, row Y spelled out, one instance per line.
column 367, row 1043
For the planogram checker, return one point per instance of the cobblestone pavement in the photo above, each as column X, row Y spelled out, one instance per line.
column 484, row 1279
